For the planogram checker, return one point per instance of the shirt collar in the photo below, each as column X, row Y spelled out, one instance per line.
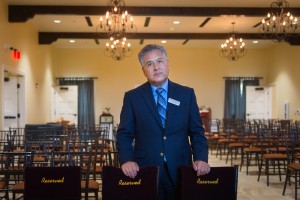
column 164, row 86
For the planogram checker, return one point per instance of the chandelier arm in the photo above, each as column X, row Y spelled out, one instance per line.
column 279, row 24
column 233, row 48
column 116, row 24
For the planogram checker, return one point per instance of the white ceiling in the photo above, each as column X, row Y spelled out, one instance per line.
column 159, row 24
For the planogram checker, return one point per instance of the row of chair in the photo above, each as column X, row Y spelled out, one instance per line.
column 56, row 148
column 273, row 145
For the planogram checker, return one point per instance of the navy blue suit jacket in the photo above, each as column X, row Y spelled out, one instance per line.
column 141, row 137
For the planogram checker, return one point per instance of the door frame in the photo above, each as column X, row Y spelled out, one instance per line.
column 271, row 100
column 21, row 95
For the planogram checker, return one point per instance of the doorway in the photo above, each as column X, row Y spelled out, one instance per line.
column 65, row 104
column 259, row 101
column 13, row 99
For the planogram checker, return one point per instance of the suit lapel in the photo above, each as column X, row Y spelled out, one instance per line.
column 149, row 99
column 172, row 109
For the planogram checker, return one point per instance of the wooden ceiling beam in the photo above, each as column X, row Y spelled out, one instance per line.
column 50, row 37
column 22, row 13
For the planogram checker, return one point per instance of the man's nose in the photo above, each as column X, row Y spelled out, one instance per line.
column 156, row 66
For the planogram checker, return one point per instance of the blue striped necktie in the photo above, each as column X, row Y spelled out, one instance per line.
column 161, row 105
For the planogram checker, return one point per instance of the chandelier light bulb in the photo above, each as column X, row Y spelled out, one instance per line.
column 280, row 24
column 233, row 48
column 116, row 25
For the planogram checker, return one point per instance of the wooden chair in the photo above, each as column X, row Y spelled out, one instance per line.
column 82, row 160
column 242, row 140
column 256, row 148
column 220, row 183
column 115, row 185
column 274, row 158
column 4, row 182
column 18, row 161
column 49, row 183
column 293, row 167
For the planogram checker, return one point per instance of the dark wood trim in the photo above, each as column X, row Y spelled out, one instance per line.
column 49, row 37
column 21, row 13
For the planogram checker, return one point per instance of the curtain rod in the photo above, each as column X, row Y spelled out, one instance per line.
column 76, row 78
column 241, row 77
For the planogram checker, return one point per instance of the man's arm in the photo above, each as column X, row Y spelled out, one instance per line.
column 125, row 137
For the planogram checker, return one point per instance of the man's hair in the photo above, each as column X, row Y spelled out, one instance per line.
column 148, row 48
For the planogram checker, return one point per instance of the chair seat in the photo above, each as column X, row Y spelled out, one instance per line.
column 238, row 144
column 252, row 150
column 19, row 187
column 2, row 184
column 294, row 166
column 275, row 156
column 93, row 185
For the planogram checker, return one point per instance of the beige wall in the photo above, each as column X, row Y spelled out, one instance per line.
column 199, row 68
column 285, row 76
column 36, row 64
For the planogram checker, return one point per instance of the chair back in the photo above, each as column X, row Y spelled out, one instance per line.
column 49, row 183
column 220, row 183
column 116, row 185
column 80, row 159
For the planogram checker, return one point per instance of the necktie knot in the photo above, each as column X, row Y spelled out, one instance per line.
column 159, row 91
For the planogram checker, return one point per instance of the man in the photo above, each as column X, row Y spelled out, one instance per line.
column 161, row 128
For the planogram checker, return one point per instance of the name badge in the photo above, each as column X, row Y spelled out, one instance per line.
column 173, row 101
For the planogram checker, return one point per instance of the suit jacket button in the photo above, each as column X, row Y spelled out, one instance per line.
column 161, row 154
column 164, row 137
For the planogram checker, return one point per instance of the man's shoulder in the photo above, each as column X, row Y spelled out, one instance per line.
column 139, row 88
column 179, row 86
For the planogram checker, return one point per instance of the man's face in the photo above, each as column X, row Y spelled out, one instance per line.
column 156, row 68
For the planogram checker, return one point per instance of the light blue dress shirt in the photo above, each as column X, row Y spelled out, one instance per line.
column 164, row 93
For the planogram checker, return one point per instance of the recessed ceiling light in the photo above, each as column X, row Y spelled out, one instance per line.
column 255, row 42
column 164, row 41
column 72, row 41
column 176, row 22
column 57, row 21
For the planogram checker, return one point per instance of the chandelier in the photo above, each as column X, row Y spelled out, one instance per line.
column 279, row 24
column 116, row 23
column 233, row 48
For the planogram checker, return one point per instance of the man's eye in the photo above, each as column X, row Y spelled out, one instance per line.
column 149, row 64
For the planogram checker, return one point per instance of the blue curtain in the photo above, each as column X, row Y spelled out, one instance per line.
column 86, row 110
column 235, row 97
column 232, row 99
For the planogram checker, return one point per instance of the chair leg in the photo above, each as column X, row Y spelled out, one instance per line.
column 267, row 171
column 259, row 169
column 285, row 182
column 296, row 183
column 96, row 195
column 279, row 170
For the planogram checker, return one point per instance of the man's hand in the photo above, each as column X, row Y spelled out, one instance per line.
column 130, row 169
column 201, row 167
